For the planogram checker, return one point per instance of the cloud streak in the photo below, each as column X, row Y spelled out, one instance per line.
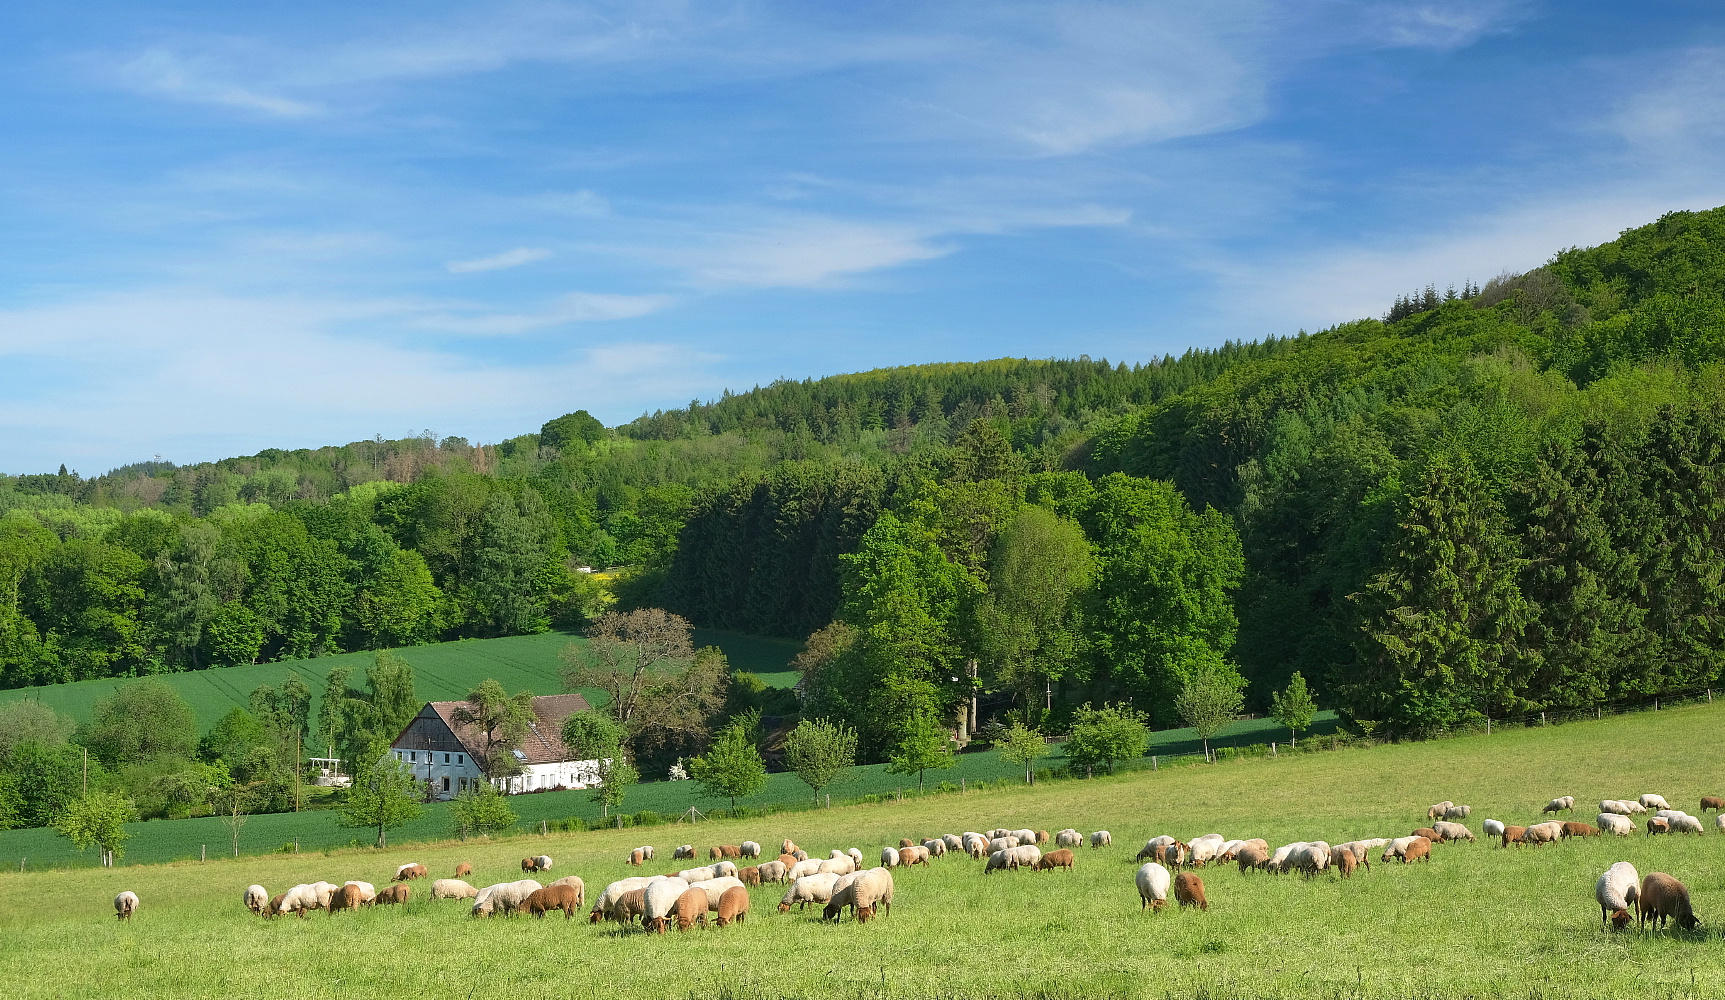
column 498, row 262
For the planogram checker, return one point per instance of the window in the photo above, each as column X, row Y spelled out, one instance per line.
column 446, row 784
column 446, row 758
column 460, row 759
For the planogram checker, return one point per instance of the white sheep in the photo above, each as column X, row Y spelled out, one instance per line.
column 125, row 904
column 1616, row 891
column 955, row 842
column 701, row 874
column 1022, row 856
column 299, row 899
column 452, row 888
column 401, row 868
column 1651, row 801
column 935, row 848
column 614, row 891
column 864, row 891
column 842, row 865
column 1003, row 843
column 1621, row 825
column 1397, row 848
column 856, row 856
column 324, row 891
column 660, row 901
column 803, row 868
column 1563, row 803
column 1102, row 838
column 1458, row 812
column 1279, row 861
column 773, row 871
column 1686, row 824
column 975, row 845
column 888, row 857
column 504, row 897
column 1719, row 822
column 714, row 888
column 750, row 849
column 1000, row 831
column 367, row 891
column 683, row 851
column 1069, row 838
column 1438, row 810
column 724, row 869
column 1453, row 831
column 808, row 889
column 1153, row 881
column 1206, row 848
column 1493, row 827
column 646, row 852
column 257, row 898
column 1026, row 836
column 542, row 863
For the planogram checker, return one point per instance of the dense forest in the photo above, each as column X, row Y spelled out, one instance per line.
column 1495, row 502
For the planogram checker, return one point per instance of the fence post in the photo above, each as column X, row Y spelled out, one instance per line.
column 829, row 800
column 201, row 849
column 1152, row 762
column 1656, row 704
column 21, row 863
column 1272, row 749
column 961, row 785
column 1542, row 719
column 542, row 826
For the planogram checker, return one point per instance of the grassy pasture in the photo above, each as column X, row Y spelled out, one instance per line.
column 1477, row 921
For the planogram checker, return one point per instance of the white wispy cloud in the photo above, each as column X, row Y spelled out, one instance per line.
column 170, row 74
column 575, row 307
column 499, row 262
column 1680, row 100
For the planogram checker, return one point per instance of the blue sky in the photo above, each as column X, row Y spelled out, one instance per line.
column 225, row 227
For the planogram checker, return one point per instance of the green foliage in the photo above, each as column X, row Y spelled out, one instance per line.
column 616, row 776
column 732, row 766
column 30, row 720
column 141, row 720
column 384, row 794
column 1101, row 736
column 593, row 735
column 571, row 429
column 97, row 820
column 480, row 811
column 1293, row 707
column 1023, row 746
column 1209, row 700
column 820, row 752
column 501, row 722
column 1031, row 623
column 923, row 745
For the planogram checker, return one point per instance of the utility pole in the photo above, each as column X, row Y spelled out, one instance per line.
column 298, row 753
column 86, row 772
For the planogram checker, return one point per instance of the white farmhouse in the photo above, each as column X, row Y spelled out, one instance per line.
column 441, row 752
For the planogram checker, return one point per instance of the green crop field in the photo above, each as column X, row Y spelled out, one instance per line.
column 1477, row 921
column 442, row 671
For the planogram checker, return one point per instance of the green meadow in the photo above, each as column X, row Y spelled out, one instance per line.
column 1478, row 921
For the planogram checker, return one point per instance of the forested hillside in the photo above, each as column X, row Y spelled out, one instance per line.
column 1499, row 502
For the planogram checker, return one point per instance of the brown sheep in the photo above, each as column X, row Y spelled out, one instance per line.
column 463, row 869
column 724, row 851
column 1056, row 859
column 789, row 846
column 275, row 907
column 750, row 875
column 788, row 860
column 1428, row 833
column 904, row 842
column 628, row 906
column 1574, row 829
column 409, row 872
column 691, row 909
column 1658, row 824
column 1189, row 890
column 1042, row 836
column 529, row 864
column 391, row 895
column 1345, row 863
column 733, row 906
column 348, row 897
column 638, row 857
column 1663, row 897
column 1513, row 835
column 554, row 897
column 1251, row 856
column 1713, row 802
column 1419, row 850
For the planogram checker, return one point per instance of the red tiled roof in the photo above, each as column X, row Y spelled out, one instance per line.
column 544, row 742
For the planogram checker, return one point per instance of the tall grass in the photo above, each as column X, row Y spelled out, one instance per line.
column 1477, row 921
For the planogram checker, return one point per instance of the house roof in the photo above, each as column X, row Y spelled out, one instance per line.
column 544, row 742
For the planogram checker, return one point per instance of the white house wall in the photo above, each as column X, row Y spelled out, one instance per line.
column 452, row 773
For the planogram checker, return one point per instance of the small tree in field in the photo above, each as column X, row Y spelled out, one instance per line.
column 1208, row 702
column 98, row 820
column 1294, row 707
column 732, row 766
column 1105, row 735
column 383, row 795
column 924, row 745
column 480, row 811
column 820, row 752
column 616, row 774
column 1023, row 745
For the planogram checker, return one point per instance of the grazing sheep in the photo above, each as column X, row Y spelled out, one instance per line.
column 1359, row 849
column 275, row 907
column 660, row 903
column 1455, row 831
column 1229, row 849
column 1563, row 803
column 691, row 909
column 367, row 892
column 701, row 874
column 348, row 897
column 913, row 856
column 1651, row 801
column 624, row 909
column 800, row 854
column 856, row 856
column 1041, row 836
column 733, row 906
column 1025, row 836
column 538, row 863
column 573, row 882
column 409, row 871
column 1419, row 850
column 750, row 849
column 975, row 845
column 464, row 868
column 787, row 846
column 715, row 890
column 1311, row 857
column 1439, row 810
column 257, row 898
column 1658, row 824
column 803, row 868
column 636, row 858
column 1101, row 838
column 999, row 831
column 1426, row 832
column 1251, row 856
column 1069, row 838
column 1457, row 812
column 773, row 871
column 1492, row 827
column 750, row 875
column 1685, row 824
column 953, row 841
column 1713, row 802
column 1056, row 859
column 889, row 856
column 904, row 842
column 936, row 848
column 842, row 865
column 1153, row 881
column 1513, row 834
column 1543, row 833
column 1664, row 898
column 1002, row 843
column 647, row 851
column 125, row 904
column 1345, row 863
column 724, row 851
column 1279, row 860
column 1571, row 828
column 1398, row 847
column 303, row 898
column 788, row 860
column 1719, row 822
column 808, row 889
column 1189, row 890
column 395, row 894
column 688, row 851
column 1206, row 848
column 1623, row 826
column 1616, row 891
column 504, row 897
column 452, row 888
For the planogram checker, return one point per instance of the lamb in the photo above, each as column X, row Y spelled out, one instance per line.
column 750, row 875
column 624, row 909
column 1651, row 801
column 1439, row 810
column 573, row 882
column 1572, row 828
column 1206, row 848
column 688, row 851
column 1397, row 848
column 691, row 908
column 1713, row 802
column 125, row 904
column 1455, row 831
column 257, row 898
column 464, row 868
column 788, row 860
column 1492, row 827
column 275, row 907
column 1068, row 838
column 1543, row 833
column 659, row 903
column 1153, row 881
column 1056, row 859
column 733, row 906
column 395, row 894
column 345, row 898
column 936, row 848
column 1101, row 838
column 1189, row 890
column 409, row 871
column 808, row 889
column 1623, row 826
column 452, row 888
column 637, row 858
column 646, row 852
column 1616, row 891
column 750, row 849
column 504, row 897
column 1563, row 803
column 1664, row 898
column 539, row 863
column 1345, row 863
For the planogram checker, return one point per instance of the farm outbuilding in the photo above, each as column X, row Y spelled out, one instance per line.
column 442, row 752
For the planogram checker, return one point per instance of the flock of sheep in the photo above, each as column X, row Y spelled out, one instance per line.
column 839, row 881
